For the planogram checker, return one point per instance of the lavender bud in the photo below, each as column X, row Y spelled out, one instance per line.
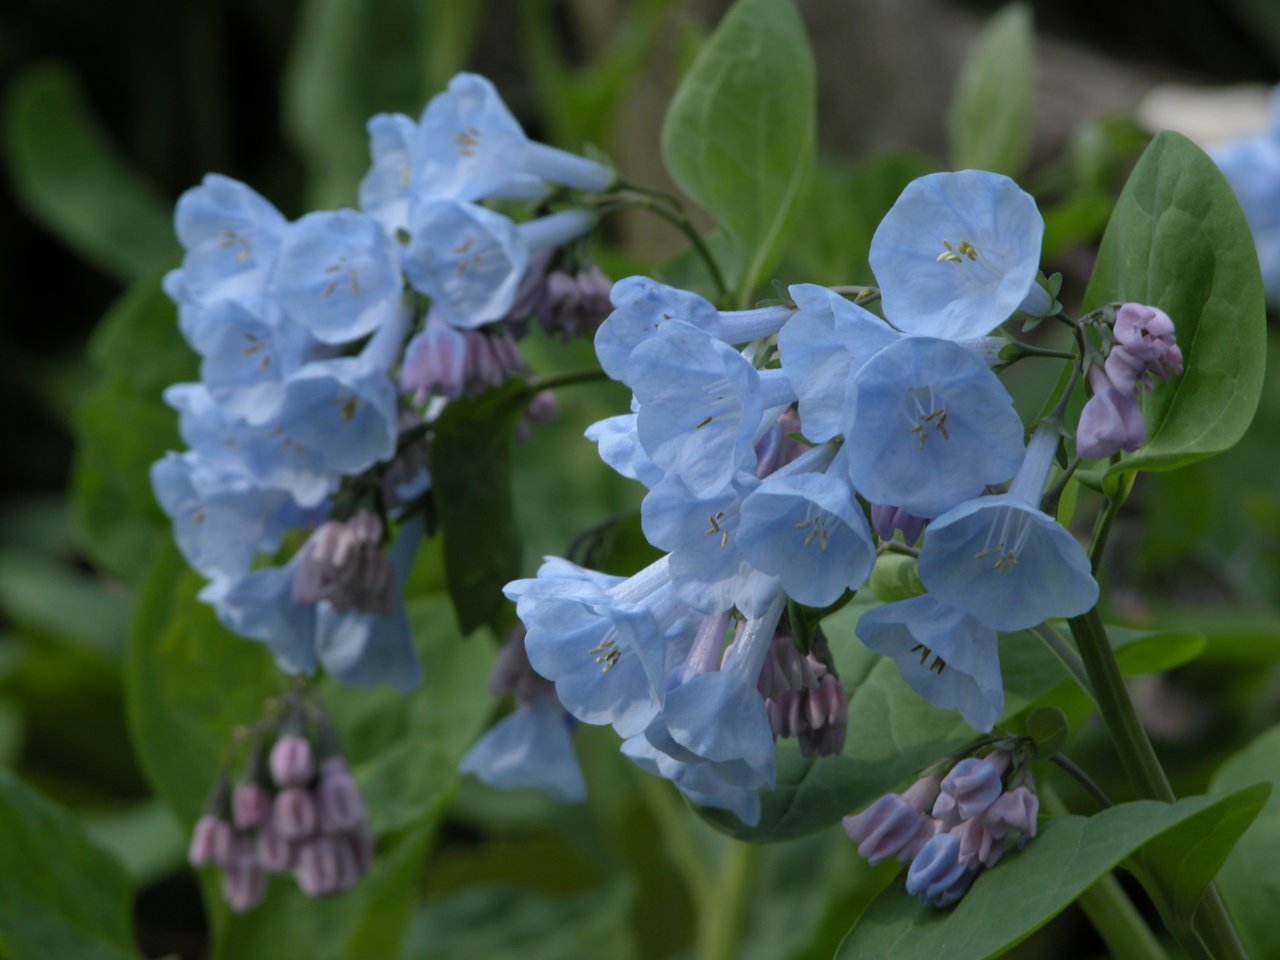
column 294, row 814
column 210, row 841
column 349, row 869
column 936, row 875
column 338, row 804
column 975, row 784
column 885, row 519
column 1110, row 421
column 883, row 829
column 274, row 852
column 250, row 805
column 1013, row 812
column 243, row 886
column 1147, row 335
column 435, row 362
column 317, row 866
column 291, row 763
column 978, row 845
column 343, row 562
column 575, row 304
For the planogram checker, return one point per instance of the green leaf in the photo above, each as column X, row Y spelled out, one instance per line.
column 471, row 482
column 1248, row 880
column 60, row 894
column 1178, row 241
column 894, row 578
column 1028, row 888
column 123, row 426
column 188, row 684
column 738, row 136
column 989, row 120
column 74, row 181
column 1047, row 727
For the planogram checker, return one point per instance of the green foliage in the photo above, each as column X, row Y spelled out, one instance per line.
column 1030, row 887
column 989, row 120
column 123, row 426
column 1178, row 241
column 74, row 181
column 1047, row 727
column 894, row 578
column 1249, row 880
column 738, row 136
column 471, row 480
column 60, row 894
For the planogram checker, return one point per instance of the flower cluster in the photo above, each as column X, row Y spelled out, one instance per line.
column 975, row 811
column 760, row 434
column 1252, row 167
column 287, row 814
column 1142, row 343
column 329, row 345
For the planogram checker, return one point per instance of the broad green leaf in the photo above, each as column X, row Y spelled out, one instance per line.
column 75, row 182
column 1028, row 888
column 471, row 481
column 894, row 578
column 123, row 426
column 1178, row 241
column 188, row 684
column 50, row 598
column 505, row 923
column 146, row 838
column 1249, row 880
column 738, row 135
column 61, row 895
column 989, row 120
column 892, row 731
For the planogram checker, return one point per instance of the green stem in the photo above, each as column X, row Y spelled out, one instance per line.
column 719, row 927
column 558, row 380
column 1110, row 910
column 680, row 221
column 1065, row 653
column 1082, row 778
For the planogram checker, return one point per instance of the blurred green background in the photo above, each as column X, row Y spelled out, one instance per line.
column 111, row 110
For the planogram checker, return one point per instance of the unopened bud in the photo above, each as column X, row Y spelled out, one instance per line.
column 250, row 805
column 243, row 886
column 291, row 762
column 294, row 814
column 210, row 841
column 338, row 804
column 975, row 784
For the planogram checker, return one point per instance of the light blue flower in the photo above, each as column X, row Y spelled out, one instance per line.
column 1001, row 559
column 619, row 446
column 931, row 426
column 531, row 747
column 709, row 571
column 642, row 306
column 1252, row 167
column 706, row 784
column 808, row 531
column 470, row 259
column 949, row 658
column 701, row 405
column 344, row 410
column 384, row 190
column 823, row 346
column 221, row 520
column 606, row 647
column 337, row 275
column 231, row 235
column 470, row 147
column 957, row 254
column 260, row 606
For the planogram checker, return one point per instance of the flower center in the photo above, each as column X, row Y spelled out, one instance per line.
column 817, row 527
column 955, row 254
column 925, row 653
column 998, row 545
column 928, row 413
column 607, row 654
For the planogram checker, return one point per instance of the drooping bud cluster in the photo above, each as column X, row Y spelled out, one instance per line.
column 306, row 329
column 298, row 812
column 804, row 698
column 975, row 811
column 1143, row 344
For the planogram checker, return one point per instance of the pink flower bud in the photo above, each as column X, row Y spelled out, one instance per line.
column 338, row 804
column 1110, row 421
column 210, row 841
column 893, row 823
column 250, row 805
column 975, row 784
column 317, row 867
column 1015, row 812
column 344, row 563
column 291, row 762
column 274, row 852
column 294, row 814
column 243, row 886
column 435, row 362
column 978, row 845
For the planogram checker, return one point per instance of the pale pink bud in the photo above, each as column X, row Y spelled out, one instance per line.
column 243, row 886
column 435, row 362
column 210, row 841
column 291, row 762
column 294, row 814
column 344, row 563
column 892, row 823
column 338, row 804
column 317, row 866
column 1110, row 421
column 977, row 844
column 1014, row 812
column 250, row 805
column 349, row 870
column 975, row 784
column 274, row 852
